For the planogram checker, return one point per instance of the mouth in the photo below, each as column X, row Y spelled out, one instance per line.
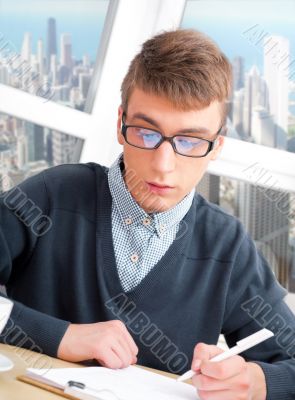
column 159, row 188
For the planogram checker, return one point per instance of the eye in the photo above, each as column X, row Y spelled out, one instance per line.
column 189, row 142
column 148, row 135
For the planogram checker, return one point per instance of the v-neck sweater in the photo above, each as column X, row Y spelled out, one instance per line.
column 211, row 280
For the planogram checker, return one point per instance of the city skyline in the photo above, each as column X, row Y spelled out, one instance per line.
column 226, row 25
column 26, row 148
column 52, row 64
column 84, row 23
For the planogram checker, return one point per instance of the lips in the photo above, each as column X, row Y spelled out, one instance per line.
column 159, row 189
column 160, row 186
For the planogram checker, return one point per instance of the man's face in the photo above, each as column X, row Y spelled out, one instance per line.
column 158, row 179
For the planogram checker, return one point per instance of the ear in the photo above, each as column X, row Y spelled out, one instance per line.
column 119, row 123
column 218, row 147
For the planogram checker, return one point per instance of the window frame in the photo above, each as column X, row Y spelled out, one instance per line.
column 128, row 24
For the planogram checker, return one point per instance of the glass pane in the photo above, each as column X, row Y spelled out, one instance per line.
column 267, row 214
column 26, row 149
column 51, row 52
column 258, row 37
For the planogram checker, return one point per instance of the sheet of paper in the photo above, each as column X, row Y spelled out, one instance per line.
column 131, row 383
column 5, row 311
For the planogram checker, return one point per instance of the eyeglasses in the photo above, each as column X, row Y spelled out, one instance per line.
column 150, row 139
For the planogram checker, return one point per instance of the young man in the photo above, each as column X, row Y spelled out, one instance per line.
column 134, row 266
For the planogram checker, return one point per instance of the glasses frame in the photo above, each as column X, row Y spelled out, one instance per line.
column 211, row 143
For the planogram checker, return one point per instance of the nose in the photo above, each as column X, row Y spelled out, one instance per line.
column 164, row 158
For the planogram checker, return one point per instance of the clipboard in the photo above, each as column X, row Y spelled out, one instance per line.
column 100, row 383
column 44, row 386
column 75, row 390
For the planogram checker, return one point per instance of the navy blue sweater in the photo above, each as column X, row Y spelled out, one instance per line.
column 57, row 262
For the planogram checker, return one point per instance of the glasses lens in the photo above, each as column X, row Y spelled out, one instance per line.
column 141, row 137
column 191, row 146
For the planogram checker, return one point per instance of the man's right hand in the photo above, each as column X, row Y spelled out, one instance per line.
column 109, row 343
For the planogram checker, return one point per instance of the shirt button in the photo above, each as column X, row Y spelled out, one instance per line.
column 162, row 228
column 134, row 258
column 146, row 221
column 128, row 221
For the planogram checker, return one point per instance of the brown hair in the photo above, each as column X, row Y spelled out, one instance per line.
column 183, row 65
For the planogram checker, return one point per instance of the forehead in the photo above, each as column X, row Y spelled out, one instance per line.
column 168, row 116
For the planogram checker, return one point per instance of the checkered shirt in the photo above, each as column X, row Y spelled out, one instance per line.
column 140, row 239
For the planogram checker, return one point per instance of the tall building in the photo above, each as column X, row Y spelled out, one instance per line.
column 263, row 127
column 35, row 134
column 49, row 150
column 66, row 50
column 208, row 187
column 264, row 214
column 51, row 41
column 4, row 75
column 276, row 49
column 86, row 61
column 254, row 96
column 238, row 72
column 64, row 148
column 247, row 106
column 238, row 111
column 22, row 152
column 40, row 56
column 84, row 83
column 53, row 69
column 26, row 50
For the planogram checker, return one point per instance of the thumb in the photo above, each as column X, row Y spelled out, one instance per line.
column 204, row 352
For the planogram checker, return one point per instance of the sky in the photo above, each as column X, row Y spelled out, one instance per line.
column 83, row 19
column 223, row 20
column 227, row 20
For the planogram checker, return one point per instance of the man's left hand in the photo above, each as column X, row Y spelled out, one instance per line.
column 231, row 379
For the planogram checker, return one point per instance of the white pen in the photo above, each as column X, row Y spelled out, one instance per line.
column 242, row 345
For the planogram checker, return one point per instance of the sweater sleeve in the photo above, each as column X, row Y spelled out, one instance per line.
column 24, row 218
column 255, row 301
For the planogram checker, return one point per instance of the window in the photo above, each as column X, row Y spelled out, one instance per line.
column 53, row 55
column 246, row 181
column 52, row 52
column 267, row 214
column 261, row 48
column 27, row 148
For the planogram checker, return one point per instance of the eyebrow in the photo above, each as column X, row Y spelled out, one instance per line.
column 151, row 121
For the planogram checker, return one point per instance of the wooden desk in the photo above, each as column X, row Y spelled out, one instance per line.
column 11, row 389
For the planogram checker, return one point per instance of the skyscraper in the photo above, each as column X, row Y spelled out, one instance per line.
column 264, row 213
column 65, row 148
column 35, row 135
column 254, row 96
column 40, row 56
column 276, row 56
column 238, row 111
column 238, row 72
column 208, row 187
column 51, row 41
column 4, row 75
column 27, row 47
column 263, row 127
column 84, row 84
column 66, row 50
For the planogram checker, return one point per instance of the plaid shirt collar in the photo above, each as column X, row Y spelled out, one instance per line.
column 132, row 214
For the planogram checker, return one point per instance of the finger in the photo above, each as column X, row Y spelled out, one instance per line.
column 109, row 359
column 128, row 354
column 121, row 328
column 202, row 352
column 130, row 341
column 206, row 383
column 134, row 360
column 123, row 352
column 224, row 369
column 218, row 395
